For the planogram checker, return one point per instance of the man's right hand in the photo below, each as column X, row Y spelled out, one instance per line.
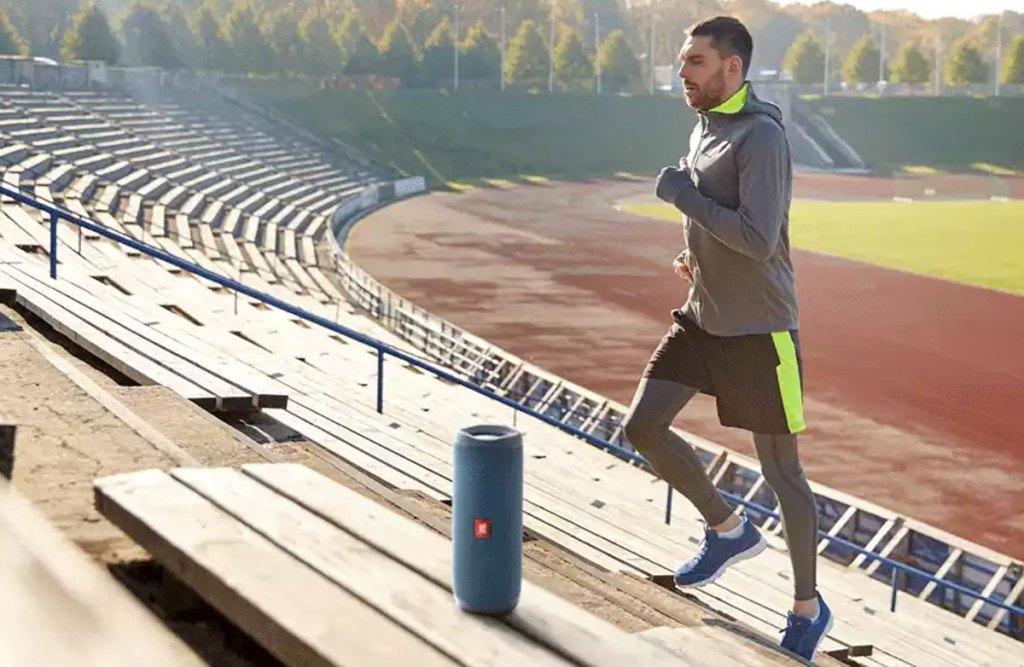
column 682, row 268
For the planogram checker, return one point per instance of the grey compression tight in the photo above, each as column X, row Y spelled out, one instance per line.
column 655, row 406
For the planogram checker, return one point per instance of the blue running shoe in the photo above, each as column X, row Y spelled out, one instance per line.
column 802, row 635
column 717, row 553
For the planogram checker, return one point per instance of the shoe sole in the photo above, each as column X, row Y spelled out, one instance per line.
column 761, row 545
column 828, row 629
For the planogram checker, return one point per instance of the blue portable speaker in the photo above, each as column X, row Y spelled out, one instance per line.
column 487, row 519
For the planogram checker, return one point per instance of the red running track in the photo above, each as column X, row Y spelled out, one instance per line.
column 915, row 386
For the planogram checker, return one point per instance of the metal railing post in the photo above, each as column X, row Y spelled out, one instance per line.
column 380, row 380
column 892, row 600
column 54, row 219
column 668, row 505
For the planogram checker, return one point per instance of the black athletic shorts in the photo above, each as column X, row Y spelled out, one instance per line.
column 757, row 380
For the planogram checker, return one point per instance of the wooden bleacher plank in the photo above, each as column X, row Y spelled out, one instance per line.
column 238, row 387
column 234, row 253
column 267, row 393
column 298, row 273
column 541, row 614
column 59, row 608
column 307, row 251
column 405, row 595
column 128, row 353
column 207, row 242
column 180, row 230
column 256, row 259
column 295, row 612
column 375, row 467
column 325, row 285
column 11, row 232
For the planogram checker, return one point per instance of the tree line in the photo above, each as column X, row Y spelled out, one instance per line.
column 914, row 63
column 561, row 43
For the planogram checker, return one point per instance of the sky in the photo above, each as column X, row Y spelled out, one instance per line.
column 931, row 9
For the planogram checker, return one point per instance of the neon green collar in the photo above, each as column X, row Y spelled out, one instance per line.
column 734, row 103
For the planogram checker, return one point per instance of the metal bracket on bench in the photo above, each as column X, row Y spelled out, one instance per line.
column 845, row 654
column 666, row 581
column 7, row 433
column 6, row 323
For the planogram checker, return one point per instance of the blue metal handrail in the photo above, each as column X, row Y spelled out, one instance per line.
column 56, row 213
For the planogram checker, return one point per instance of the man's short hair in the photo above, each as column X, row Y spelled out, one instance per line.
column 728, row 36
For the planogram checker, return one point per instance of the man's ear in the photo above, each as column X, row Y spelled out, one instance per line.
column 736, row 65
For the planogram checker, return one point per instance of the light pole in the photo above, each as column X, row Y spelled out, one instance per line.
column 881, row 57
column 828, row 30
column 650, row 53
column 999, row 50
column 503, row 49
column 597, row 49
column 456, row 49
column 551, row 55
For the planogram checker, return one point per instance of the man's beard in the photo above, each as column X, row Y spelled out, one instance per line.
column 711, row 94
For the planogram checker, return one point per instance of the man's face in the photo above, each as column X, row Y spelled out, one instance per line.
column 702, row 70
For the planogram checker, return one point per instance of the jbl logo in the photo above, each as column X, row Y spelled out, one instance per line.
column 482, row 529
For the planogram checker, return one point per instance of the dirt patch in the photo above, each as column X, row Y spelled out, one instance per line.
column 908, row 379
column 66, row 439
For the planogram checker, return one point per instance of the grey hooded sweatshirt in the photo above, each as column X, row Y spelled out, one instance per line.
column 737, row 220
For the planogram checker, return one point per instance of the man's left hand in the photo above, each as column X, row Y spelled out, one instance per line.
column 671, row 181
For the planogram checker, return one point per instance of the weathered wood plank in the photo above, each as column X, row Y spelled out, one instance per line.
column 126, row 360
column 294, row 612
column 542, row 615
column 416, row 602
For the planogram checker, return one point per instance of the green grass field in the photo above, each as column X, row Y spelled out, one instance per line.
column 977, row 243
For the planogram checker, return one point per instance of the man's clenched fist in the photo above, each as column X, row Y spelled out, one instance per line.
column 681, row 264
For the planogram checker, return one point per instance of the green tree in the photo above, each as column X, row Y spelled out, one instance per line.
column 286, row 43
column 180, row 33
column 324, row 56
column 398, row 54
column 772, row 28
column 146, row 41
column 360, row 54
column 911, row 66
column 965, row 65
column 11, row 43
column 620, row 69
column 573, row 68
column 806, row 60
column 527, row 56
column 213, row 53
column 249, row 45
column 43, row 24
column 1013, row 66
column 439, row 54
column 861, row 65
column 479, row 55
column 90, row 37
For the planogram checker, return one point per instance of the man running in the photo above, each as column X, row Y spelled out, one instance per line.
column 736, row 336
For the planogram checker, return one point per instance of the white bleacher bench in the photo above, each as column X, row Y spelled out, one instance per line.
column 320, row 575
column 76, row 152
column 13, row 153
